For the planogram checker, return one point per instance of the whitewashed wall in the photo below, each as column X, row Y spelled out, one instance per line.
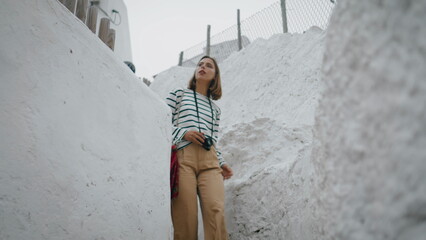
column 84, row 147
column 370, row 136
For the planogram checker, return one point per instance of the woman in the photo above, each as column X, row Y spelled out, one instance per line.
column 201, row 166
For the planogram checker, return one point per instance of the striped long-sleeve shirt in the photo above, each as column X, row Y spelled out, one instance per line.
column 184, row 118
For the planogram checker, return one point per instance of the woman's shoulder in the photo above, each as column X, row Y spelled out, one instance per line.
column 216, row 106
column 178, row 91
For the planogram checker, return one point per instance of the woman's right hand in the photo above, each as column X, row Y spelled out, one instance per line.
column 195, row 137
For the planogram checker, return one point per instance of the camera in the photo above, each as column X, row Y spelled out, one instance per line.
column 208, row 142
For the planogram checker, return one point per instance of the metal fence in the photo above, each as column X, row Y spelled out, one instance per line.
column 299, row 16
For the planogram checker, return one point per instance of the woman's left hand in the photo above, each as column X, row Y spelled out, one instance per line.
column 226, row 171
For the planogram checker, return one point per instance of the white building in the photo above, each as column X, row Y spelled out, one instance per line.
column 116, row 11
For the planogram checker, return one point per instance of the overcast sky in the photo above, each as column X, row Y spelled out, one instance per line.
column 160, row 29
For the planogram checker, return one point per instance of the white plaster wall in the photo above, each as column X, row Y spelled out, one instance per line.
column 271, row 91
column 84, row 147
column 369, row 152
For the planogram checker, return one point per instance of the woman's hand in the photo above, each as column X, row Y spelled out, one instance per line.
column 226, row 171
column 195, row 137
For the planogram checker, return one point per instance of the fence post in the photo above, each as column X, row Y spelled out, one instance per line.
column 208, row 41
column 81, row 11
column 284, row 16
column 240, row 45
column 111, row 39
column 104, row 30
column 70, row 4
column 180, row 58
column 92, row 19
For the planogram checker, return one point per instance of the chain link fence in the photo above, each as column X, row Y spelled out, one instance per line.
column 300, row 16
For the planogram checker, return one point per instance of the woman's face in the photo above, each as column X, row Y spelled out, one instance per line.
column 205, row 70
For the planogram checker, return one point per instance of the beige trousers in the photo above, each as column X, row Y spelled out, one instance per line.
column 199, row 173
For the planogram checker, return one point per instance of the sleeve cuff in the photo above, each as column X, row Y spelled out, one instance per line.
column 179, row 137
column 220, row 158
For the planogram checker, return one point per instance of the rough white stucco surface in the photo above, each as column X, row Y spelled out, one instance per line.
column 370, row 133
column 271, row 91
column 85, row 145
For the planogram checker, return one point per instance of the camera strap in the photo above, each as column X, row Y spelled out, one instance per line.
column 198, row 115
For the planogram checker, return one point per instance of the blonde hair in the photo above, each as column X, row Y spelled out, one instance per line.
column 215, row 88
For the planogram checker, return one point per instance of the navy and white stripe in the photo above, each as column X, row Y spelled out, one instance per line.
column 184, row 118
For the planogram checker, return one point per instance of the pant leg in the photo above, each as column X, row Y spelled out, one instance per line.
column 212, row 197
column 184, row 207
